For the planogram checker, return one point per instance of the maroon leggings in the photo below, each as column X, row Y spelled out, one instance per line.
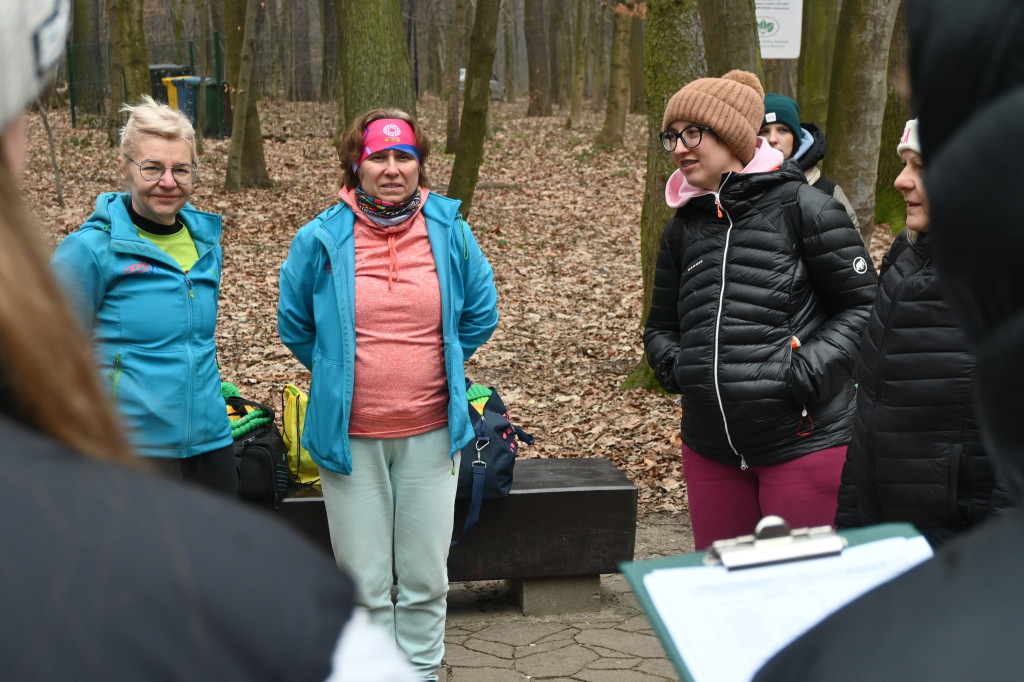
column 726, row 502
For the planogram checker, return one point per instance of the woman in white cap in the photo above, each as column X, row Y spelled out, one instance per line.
column 917, row 453
column 112, row 572
column 755, row 318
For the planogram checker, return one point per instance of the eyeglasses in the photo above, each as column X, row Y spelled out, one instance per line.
column 152, row 171
column 690, row 136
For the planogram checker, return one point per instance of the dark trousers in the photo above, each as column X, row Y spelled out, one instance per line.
column 216, row 469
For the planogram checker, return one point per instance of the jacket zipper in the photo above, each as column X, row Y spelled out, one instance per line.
column 115, row 373
column 718, row 323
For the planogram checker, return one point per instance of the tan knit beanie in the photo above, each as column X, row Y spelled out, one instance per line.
column 732, row 105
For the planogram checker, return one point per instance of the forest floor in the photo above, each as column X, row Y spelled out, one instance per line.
column 558, row 220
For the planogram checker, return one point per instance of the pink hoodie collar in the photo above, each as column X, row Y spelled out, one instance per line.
column 678, row 192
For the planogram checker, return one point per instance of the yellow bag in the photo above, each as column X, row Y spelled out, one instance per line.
column 302, row 469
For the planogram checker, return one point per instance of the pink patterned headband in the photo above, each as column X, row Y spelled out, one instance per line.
column 388, row 133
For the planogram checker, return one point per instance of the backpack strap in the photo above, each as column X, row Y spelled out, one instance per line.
column 792, row 221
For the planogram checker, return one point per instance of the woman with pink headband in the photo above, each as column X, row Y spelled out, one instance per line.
column 383, row 297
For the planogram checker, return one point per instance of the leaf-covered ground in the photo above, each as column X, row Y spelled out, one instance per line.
column 559, row 222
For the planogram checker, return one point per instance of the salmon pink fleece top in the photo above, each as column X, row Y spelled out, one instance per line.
column 400, row 387
column 678, row 191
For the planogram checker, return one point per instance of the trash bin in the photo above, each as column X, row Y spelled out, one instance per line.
column 159, row 72
column 183, row 94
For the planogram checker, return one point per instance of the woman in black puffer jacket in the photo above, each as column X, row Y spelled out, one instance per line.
column 916, row 453
column 755, row 319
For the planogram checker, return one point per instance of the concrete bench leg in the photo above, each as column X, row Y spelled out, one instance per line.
column 553, row 596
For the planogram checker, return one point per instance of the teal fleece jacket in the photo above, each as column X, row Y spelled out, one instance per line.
column 152, row 325
column 316, row 319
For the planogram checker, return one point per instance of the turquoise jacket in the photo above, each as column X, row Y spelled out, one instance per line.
column 316, row 319
column 152, row 325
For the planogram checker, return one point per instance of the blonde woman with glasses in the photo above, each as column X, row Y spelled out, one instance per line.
column 143, row 274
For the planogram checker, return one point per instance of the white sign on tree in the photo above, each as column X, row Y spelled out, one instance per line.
column 778, row 28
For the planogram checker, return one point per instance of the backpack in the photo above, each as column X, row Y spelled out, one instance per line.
column 302, row 470
column 259, row 451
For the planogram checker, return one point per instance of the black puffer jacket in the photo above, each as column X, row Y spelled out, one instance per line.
column 916, row 453
column 731, row 292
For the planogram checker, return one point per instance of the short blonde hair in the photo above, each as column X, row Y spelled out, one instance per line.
column 152, row 118
column 351, row 146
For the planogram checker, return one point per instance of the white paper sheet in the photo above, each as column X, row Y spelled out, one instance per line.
column 726, row 625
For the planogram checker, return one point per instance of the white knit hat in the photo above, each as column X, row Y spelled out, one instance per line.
column 909, row 140
column 32, row 34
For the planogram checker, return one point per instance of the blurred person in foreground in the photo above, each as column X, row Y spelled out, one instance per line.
column 916, row 453
column 803, row 142
column 143, row 274
column 383, row 298
column 754, row 320
column 112, row 572
column 957, row 617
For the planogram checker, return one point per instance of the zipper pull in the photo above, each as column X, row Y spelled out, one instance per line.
column 718, row 206
column 743, row 463
column 801, row 429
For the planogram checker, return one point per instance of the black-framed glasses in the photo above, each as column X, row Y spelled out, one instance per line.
column 152, row 171
column 690, row 136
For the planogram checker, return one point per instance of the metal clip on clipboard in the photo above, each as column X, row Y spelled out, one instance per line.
column 774, row 543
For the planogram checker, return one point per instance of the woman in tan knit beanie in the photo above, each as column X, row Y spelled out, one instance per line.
column 756, row 316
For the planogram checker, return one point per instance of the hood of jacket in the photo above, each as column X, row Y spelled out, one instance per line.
column 678, row 191
column 967, row 71
column 812, row 146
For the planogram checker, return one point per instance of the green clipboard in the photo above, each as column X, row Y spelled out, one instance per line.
column 635, row 572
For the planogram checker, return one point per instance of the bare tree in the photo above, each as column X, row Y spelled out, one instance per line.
column 579, row 61
column 889, row 204
column 673, row 56
column 233, row 176
column 374, row 34
column 483, row 45
column 539, row 102
column 456, row 50
column 329, row 42
column 814, row 69
column 253, row 165
column 637, row 101
column 300, row 85
column 618, row 84
column 85, row 56
column 730, row 36
column 510, row 48
column 129, row 65
column 857, row 102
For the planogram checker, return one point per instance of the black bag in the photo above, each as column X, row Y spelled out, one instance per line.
column 488, row 460
column 492, row 451
column 260, row 452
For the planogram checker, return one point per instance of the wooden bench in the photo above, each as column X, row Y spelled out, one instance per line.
column 563, row 524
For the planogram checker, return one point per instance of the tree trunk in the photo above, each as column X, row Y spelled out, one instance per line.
column 857, row 102
column 599, row 55
column 673, row 56
column 135, row 62
column 340, row 125
column 579, row 61
column 301, row 87
column 456, row 49
column 557, row 51
column 510, row 51
column 618, row 84
column 482, row 46
column 539, row 100
column 889, row 204
column 233, row 175
column 780, row 76
column 86, row 56
column 204, row 37
column 115, row 65
column 58, row 183
column 253, row 165
column 329, row 51
column 178, row 29
column 637, row 101
column 814, row 69
column 374, row 35
column 730, row 36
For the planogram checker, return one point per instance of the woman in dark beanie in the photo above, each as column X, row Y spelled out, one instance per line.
column 802, row 142
column 916, row 454
column 753, row 320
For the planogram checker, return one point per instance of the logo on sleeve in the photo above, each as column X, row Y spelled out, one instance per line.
column 860, row 265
